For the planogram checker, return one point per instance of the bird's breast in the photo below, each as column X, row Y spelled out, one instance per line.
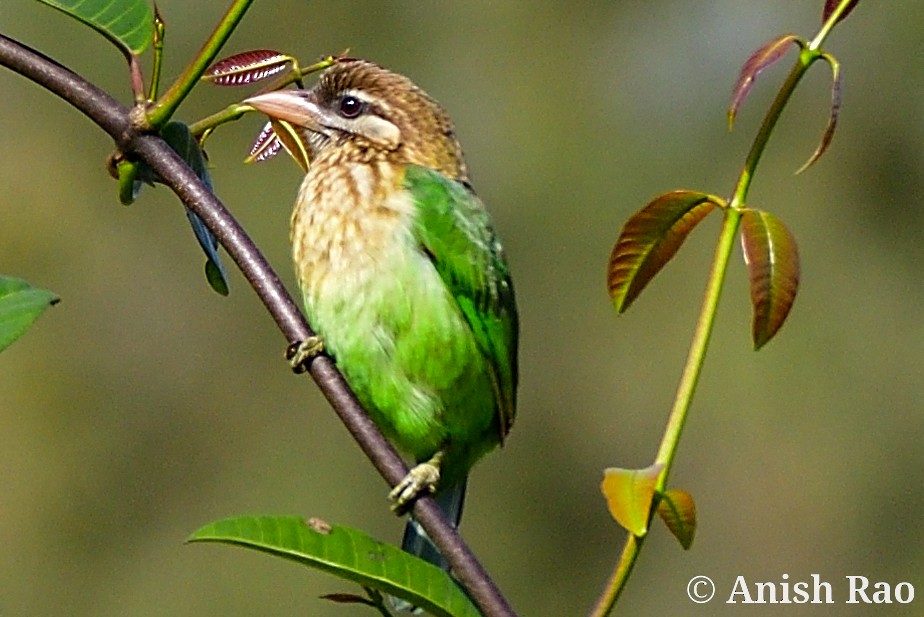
column 385, row 314
column 350, row 227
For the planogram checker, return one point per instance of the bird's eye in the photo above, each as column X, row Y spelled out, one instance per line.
column 351, row 106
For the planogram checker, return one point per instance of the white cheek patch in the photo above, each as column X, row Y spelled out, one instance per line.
column 378, row 130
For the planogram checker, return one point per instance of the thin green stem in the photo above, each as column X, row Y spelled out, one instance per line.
column 691, row 372
column 377, row 601
column 164, row 109
column 236, row 111
column 702, row 334
column 809, row 54
column 805, row 59
column 832, row 20
column 678, row 415
column 618, row 578
column 209, row 123
column 297, row 73
column 698, row 346
column 160, row 29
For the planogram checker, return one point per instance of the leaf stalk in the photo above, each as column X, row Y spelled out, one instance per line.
column 164, row 109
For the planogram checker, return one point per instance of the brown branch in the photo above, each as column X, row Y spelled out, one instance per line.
column 113, row 117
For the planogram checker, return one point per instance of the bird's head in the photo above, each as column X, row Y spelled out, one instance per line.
column 359, row 111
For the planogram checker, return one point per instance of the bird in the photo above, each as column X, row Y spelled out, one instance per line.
column 402, row 275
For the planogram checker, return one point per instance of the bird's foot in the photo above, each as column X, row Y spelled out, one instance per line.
column 300, row 352
column 421, row 480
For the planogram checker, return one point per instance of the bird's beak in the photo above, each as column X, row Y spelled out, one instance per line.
column 297, row 107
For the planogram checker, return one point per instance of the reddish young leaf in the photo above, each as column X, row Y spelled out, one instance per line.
column 247, row 67
column 629, row 494
column 677, row 510
column 832, row 117
column 265, row 146
column 830, row 5
column 650, row 238
column 347, row 598
column 769, row 53
column 772, row 259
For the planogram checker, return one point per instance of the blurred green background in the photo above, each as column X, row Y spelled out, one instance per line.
column 144, row 405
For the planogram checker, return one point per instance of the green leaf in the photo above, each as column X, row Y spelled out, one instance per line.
column 132, row 174
column 180, row 138
column 20, row 306
column 349, row 554
column 216, row 276
column 772, row 259
column 183, row 142
column 629, row 495
column 677, row 510
column 128, row 24
column 128, row 186
column 650, row 238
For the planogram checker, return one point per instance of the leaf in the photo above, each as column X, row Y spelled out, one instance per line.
column 629, row 495
column 265, row 146
column 830, row 5
column 348, row 554
column 129, row 184
column 293, row 140
column 772, row 259
column 650, row 238
column 347, row 598
column 128, row 24
column 677, row 510
column 832, row 117
column 765, row 56
column 214, row 273
column 179, row 137
column 248, row 67
column 20, row 305
column 131, row 175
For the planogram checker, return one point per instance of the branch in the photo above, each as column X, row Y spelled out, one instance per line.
column 113, row 117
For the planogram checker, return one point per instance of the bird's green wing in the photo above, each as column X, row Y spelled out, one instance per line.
column 454, row 229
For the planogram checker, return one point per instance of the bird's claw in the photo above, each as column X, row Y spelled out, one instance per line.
column 300, row 352
column 421, row 480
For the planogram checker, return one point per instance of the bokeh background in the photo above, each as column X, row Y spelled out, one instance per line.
column 144, row 405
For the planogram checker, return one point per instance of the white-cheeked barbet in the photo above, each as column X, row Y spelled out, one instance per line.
column 402, row 274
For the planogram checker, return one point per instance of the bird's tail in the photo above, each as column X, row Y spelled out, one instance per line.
column 418, row 543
